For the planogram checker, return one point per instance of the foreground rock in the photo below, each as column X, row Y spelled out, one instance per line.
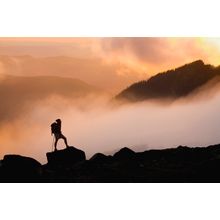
column 99, row 158
column 68, row 156
column 16, row 168
column 124, row 154
column 181, row 164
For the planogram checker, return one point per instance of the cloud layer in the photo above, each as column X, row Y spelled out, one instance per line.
column 103, row 128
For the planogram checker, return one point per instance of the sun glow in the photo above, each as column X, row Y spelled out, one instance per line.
column 211, row 46
column 214, row 41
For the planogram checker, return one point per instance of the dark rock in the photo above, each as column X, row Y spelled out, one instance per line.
column 124, row 153
column 16, row 168
column 68, row 156
column 181, row 164
column 99, row 158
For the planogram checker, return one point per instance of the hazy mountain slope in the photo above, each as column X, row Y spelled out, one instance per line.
column 90, row 70
column 173, row 83
column 18, row 92
column 44, row 85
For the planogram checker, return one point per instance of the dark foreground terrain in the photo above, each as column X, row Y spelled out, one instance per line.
column 182, row 164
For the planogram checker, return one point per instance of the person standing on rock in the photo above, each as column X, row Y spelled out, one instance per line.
column 56, row 131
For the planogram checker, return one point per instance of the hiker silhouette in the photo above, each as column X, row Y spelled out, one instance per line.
column 56, row 131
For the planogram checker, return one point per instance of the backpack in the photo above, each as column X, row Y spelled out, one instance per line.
column 53, row 128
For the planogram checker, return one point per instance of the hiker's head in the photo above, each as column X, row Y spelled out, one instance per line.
column 58, row 120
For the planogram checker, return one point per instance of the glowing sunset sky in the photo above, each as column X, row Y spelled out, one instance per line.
column 112, row 63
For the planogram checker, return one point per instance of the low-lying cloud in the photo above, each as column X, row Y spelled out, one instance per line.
column 101, row 127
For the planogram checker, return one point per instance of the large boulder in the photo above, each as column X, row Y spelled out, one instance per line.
column 100, row 158
column 68, row 156
column 16, row 168
column 124, row 154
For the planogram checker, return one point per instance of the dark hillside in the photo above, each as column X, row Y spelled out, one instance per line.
column 172, row 84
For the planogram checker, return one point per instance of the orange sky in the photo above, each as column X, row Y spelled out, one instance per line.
column 120, row 60
column 109, row 63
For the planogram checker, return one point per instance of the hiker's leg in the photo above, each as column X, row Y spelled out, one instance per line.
column 55, row 143
column 65, row 140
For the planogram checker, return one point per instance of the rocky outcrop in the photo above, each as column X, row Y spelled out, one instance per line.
column 99, row 158
column 68, row 156
column 16, row 168
column 124, row 154
column 181, row 164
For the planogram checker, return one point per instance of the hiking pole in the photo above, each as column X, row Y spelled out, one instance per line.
column 53, row 142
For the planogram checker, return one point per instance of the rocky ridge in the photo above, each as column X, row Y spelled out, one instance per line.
column 181, row 164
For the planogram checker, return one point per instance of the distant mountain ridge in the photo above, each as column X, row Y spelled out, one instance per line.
column 174, row 83
column 18, row 92
column 88, row 69
column 45, row 85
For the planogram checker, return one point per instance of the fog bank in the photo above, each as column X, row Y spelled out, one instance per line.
column 102, row 128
